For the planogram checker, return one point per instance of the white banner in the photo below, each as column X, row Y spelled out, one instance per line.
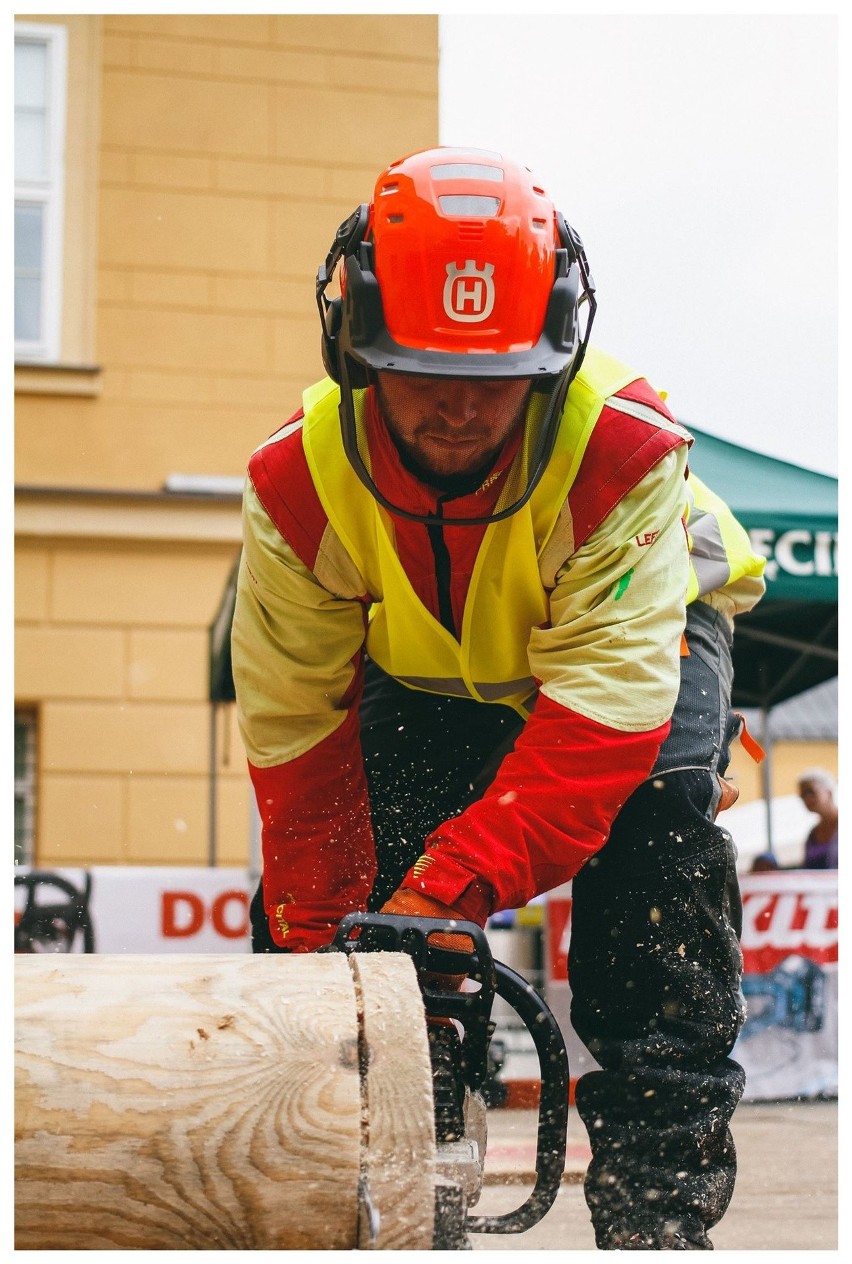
column 790, row 949
column 788, row 1045
column 132, row 910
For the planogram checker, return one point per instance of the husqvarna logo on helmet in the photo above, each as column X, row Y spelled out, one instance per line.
column 469, row 291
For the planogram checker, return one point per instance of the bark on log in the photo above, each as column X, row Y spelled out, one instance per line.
column 222, row 1102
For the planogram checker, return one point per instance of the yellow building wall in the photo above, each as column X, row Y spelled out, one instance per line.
column 788, row 760
column 112, row 649
column 218, row 155
column 230, row 150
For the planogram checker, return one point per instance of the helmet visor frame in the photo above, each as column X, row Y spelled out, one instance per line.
column 537, row 448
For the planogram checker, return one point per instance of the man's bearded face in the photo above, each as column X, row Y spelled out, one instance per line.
column 451, row 426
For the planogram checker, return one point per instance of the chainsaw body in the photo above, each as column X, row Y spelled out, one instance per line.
column 461, row 1158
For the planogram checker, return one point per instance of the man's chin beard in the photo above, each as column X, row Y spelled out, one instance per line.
column 448, row 484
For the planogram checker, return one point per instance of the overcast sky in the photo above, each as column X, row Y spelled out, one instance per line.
column 697, row 157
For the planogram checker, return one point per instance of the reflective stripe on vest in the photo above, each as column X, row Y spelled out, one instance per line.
column 720, row 551
column 505, row 599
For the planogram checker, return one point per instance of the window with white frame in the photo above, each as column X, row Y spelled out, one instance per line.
column 25, row 785
column 40, row 85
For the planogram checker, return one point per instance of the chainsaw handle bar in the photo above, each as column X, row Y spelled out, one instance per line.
column 387, row 932
column 412, row 935
column 552, row 1110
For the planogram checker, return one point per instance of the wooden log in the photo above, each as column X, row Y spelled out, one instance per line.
column 222, row 1102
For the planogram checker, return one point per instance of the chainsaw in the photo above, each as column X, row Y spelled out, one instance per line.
column 460, row 1028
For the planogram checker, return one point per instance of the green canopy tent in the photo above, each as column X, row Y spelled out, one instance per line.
column 221, row 673
column 788, row 643
column 221, row 692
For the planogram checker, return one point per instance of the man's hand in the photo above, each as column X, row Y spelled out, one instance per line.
column 407, row 903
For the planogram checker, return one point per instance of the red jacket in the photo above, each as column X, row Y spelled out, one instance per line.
column 555, row 796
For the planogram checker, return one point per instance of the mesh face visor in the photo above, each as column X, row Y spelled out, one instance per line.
column 477, row 447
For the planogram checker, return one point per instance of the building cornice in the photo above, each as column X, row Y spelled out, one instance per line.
column 77, row 513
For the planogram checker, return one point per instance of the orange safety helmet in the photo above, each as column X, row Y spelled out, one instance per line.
column 460, row 266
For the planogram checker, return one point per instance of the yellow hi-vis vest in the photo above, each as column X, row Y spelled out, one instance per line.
column 506, row 598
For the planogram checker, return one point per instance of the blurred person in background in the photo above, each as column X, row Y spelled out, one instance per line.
column 766, row 862
column 817, row 789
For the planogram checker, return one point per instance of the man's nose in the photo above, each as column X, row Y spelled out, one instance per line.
column 458, row 403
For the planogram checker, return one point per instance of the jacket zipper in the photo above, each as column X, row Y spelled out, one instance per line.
column 443, row 573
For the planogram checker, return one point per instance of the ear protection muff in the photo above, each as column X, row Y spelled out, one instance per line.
column 347, row 240
column 579, row 277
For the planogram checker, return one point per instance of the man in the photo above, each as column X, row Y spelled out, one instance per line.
column 817, row 789
column 460, row 638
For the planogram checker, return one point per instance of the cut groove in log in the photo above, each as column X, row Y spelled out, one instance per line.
column 400, row 1123
column 219, row 1102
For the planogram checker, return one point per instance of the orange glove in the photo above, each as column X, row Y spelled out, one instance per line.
column 407, row 903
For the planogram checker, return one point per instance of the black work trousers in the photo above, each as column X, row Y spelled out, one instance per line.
column 654, row 958
column 655, row 967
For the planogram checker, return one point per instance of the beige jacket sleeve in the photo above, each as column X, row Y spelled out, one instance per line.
column 612, row 649
column 295, row 642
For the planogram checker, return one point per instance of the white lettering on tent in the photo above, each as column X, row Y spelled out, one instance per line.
column 824, row 558
column 796, row 552
column 761, row 541
column 785, row 554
